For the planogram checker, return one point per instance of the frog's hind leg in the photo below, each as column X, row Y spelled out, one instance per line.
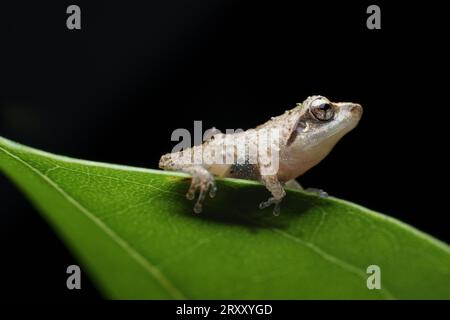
column 203, row 181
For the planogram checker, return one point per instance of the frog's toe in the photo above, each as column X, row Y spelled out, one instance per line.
column 269, row 202
column 212, row 188
column 321, row 193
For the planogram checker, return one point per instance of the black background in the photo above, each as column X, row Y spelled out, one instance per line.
column 116, row 89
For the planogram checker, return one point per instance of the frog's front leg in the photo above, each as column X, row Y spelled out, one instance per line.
column 293, row 184
column 202, row 181
column 276, row 188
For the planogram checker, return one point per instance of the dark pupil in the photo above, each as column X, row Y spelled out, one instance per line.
column 324, row 106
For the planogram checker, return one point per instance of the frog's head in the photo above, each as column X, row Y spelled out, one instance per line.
column 322, row 123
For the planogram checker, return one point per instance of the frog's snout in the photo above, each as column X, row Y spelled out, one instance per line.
column 356, row 110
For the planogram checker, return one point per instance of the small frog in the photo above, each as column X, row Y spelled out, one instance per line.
column 274, row 153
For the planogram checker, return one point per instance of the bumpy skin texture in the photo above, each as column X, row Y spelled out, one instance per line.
column 274, row 153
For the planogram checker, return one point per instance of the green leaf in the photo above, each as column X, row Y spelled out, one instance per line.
column 135, row 233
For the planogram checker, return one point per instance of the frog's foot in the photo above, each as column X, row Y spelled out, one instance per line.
column 318, row 192
column 203, row 181
column 268, row 203
column 276, row 189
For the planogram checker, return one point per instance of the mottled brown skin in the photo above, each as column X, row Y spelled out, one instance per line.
column 307, row 133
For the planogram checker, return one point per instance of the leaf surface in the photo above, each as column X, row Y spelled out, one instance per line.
column 135, row 233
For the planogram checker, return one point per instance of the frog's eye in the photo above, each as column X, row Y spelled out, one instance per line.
column 322, row 110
